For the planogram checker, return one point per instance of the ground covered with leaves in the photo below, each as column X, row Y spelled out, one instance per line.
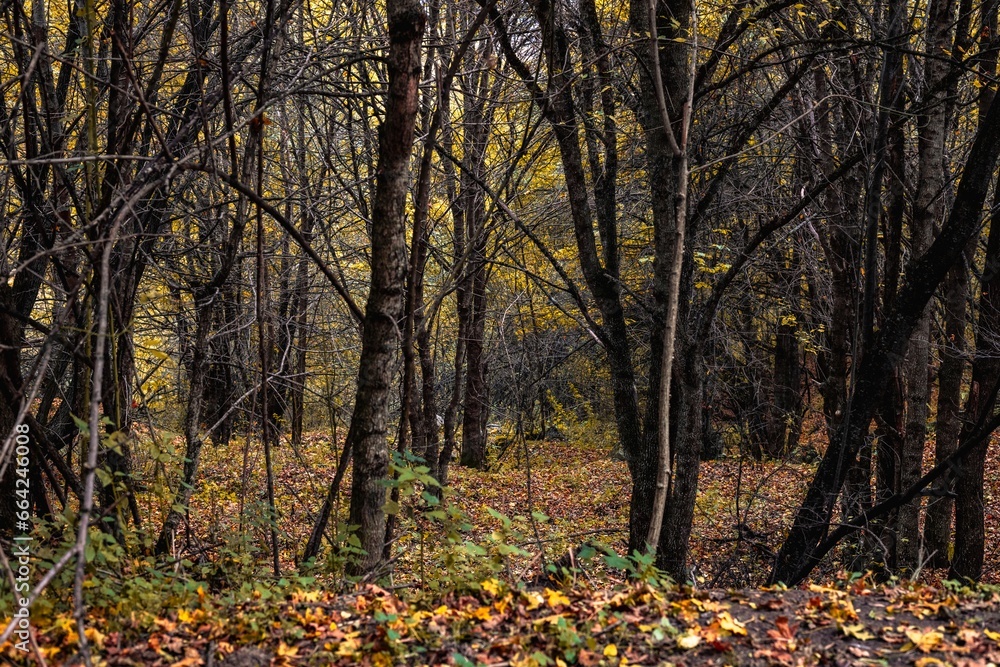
column 638, row 624
column 468, row 581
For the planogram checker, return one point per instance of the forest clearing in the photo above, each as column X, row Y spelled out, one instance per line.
column 500, row 332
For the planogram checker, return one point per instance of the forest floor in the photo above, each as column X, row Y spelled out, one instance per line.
column 563, row 497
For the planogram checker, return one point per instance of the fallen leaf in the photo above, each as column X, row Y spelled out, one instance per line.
column 925, row 642
column 857, row 631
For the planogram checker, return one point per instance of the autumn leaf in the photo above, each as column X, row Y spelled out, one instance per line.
column 491, row 586
column 730, row 624
column 925, row 642
column 784, row 634
column 191, row 659
column 555, row 598
column 857, row 631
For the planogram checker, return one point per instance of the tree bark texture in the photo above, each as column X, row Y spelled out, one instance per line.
column 384, row 310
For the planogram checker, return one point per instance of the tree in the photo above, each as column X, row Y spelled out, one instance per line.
column 386, row 297
column 921, row 280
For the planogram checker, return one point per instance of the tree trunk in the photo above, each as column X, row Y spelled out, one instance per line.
column 928, row 208
column 477, row 408
column 937, row 526
column 672, row 68
column 461, row 299
column 386, row 296
column 192, row 428
column 970, row 534
column 478, row 122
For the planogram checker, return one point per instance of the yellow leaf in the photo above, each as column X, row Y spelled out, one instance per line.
column 483, row 614
column 858, row 631
column 925, row 642
column 305, row 596
column 730, row 624
column 555, row 598
column 286, row 651
column 95, row 637
column 534, row 600
column 995, row 636
column 349, row 646
column 551, row 619
column 610, row 651
column 502, row 604
column 491, row 586
column 688, row 641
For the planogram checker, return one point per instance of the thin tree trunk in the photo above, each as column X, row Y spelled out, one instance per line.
column 475, row 415
column 938, row 524
column 970, row 516
column 928, row 208
column 386, row 297
column 192, row 422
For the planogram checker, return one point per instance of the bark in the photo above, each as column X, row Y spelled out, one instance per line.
column 193, row 442
column 461, row 300
column 970, row 533
column 664, row 180
column 665, row 117
column 674, row 544
column 967, row 561
column 879, row 552
column 928, row 209
column 477, row 407
column 223, row 383
column 938, row 524
column 386, row 296
column 478, row 119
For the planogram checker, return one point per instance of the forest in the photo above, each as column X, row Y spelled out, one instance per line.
column 499, row 332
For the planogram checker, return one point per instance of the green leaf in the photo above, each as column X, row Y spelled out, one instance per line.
column 618, row 563
column 475, row 549
column 103, row 476
column 81, row 425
